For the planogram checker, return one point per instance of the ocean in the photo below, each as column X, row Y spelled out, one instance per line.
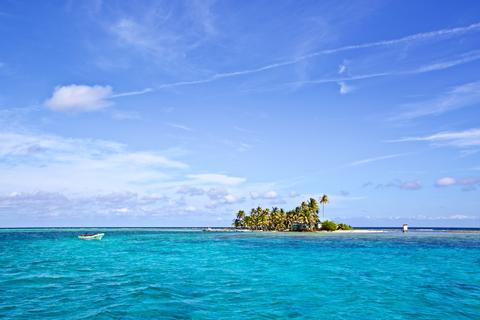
column 190, row 274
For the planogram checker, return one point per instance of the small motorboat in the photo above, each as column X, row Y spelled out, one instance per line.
column 91, row 236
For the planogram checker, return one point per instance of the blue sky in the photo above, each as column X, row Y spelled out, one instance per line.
column 179, row 113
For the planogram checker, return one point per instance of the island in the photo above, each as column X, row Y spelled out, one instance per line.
column 303, row 218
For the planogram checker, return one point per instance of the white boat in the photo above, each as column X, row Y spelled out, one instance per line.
column 96, row 236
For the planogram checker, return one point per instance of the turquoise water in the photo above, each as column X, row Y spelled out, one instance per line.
column 181, row 274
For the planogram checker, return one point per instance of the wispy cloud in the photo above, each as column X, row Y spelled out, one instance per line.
column 374, row 159
column 214, row 178
column 403, row 185
column 76, row 209
column 165, row 32
column 131, row 93
column 179, row 126
column 125, row 115
column 458, row 97
column 443, row 33
column 437, row 66
column 460, row 139
column 439, row 34
column 37, row 171
column 49, row 162
column 441, row 65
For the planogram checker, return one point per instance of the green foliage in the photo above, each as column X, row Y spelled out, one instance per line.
column 323, row 201
column 344, row 226
column 328, row 225
column 306, row 214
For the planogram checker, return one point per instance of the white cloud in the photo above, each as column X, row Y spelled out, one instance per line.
column 76, row 209
column 47, row 162
column 265, row 195
column 439, row 34
column 230, row 198
column 126, row 115
column 458, row 97
column 132, row 93
column 375, row 159
column 220, row 197
column 191, row 191
column 156, row 34
column 464, row 58
column 270, row 194
column 468, row 183
column 445, row 181
column 403, row 185
column 459, row 139
column 79, row 98
column 443, row 33
column 82, row 98
column 411, row 185
column 179, row 126
column 441, row 65
column 217, row 193
column 137, row 35
column 344, row 88
column 214, row 178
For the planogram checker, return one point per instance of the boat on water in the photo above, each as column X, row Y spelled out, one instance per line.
column 91, row 236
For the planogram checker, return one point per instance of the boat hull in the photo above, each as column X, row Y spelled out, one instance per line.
column 97, row 236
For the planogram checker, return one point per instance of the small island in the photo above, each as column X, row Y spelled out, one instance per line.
column 303, row 218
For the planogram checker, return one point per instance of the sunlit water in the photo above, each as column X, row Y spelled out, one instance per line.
column 131, row 274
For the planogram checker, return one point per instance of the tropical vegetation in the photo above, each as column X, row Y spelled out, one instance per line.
column 323, row 201
column 303, row 218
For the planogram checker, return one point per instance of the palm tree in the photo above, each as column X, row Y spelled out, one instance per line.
column 248, row 222
column 264, row 218
column 291, row 218
column 239, row 222
column 324, row 200
column 274, row 221
column 241, row 215
column 313, row 207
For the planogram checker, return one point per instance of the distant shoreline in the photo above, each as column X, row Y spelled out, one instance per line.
column 357, row 230
column 226, row 227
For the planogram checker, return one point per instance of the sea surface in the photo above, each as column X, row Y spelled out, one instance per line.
column 190, row 274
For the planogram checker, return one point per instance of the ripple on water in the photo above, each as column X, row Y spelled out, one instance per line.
column 178, row 275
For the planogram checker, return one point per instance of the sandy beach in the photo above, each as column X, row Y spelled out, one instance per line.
column 353, row 231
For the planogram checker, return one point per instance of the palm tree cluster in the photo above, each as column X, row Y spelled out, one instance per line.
column 279, row 219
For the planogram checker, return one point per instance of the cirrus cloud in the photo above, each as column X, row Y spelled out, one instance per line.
column 215, row 178
column 459, row 139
